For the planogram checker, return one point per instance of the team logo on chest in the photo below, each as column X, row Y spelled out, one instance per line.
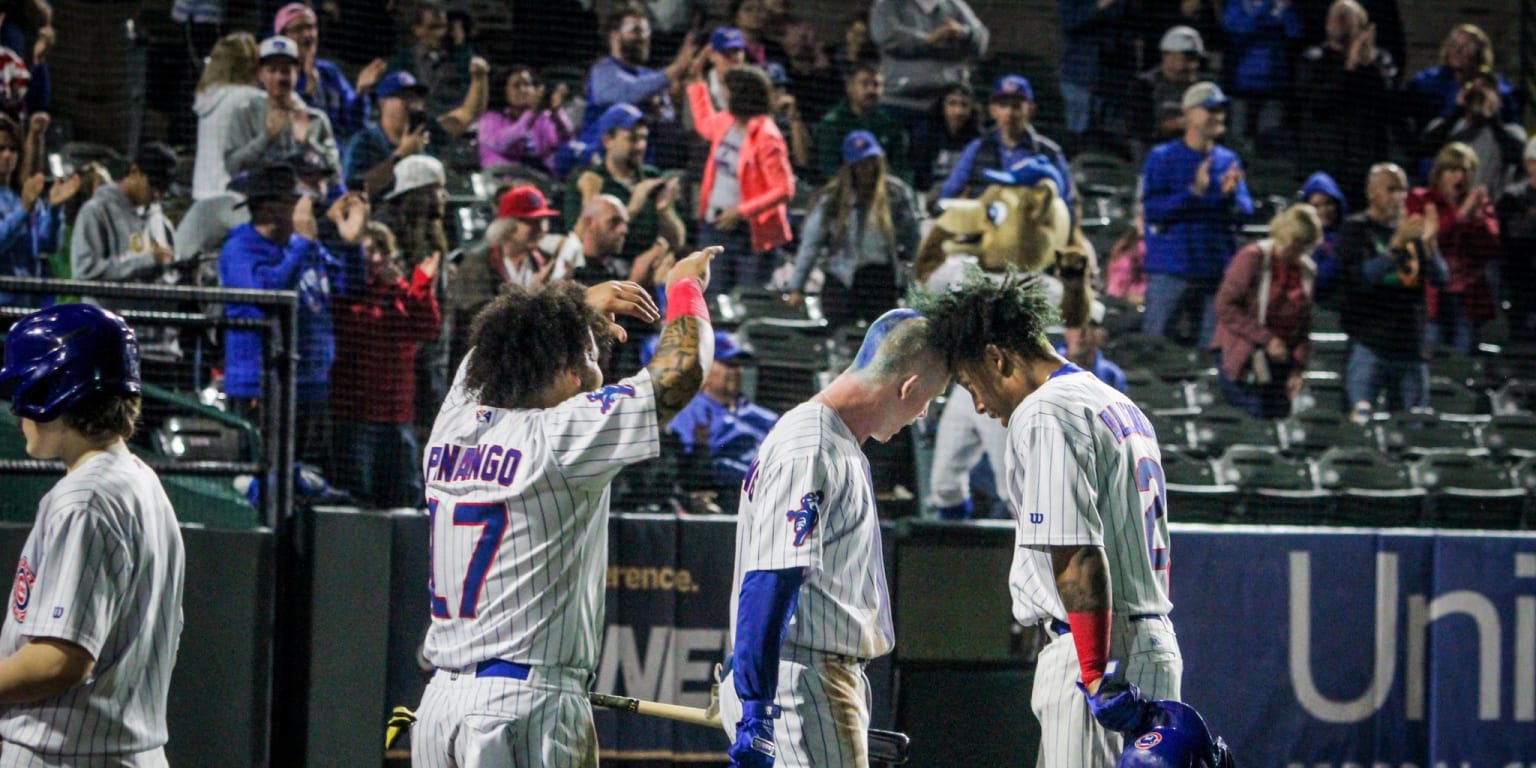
column 21, row 594
column 803, row 520
column 1149, row 740
column 610, row 393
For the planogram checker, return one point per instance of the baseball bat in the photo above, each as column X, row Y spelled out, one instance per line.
column 888, row 747
column 695, row 715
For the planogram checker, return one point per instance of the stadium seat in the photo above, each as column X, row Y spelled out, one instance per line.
column 1168, row 360
column 1273, row 488
column 1449, row 362
column 760, row 302
column 1172, row 430
column 1157, row 396
column 1514, row 396
column 1101, row 174
column 1120, row 316
column 1370, row 488
column 1195, row 493
column 792, row 360
column 1467, row 492
column 1315, row 430
column 1510, row 436
column 1320, row 389
column 1453, row 398
column 1222, row 426
column 1423, row 433
column 1326, row 321
column 1330, row 352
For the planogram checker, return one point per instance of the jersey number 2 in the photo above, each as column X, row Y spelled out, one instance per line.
column 1149, row 477
column 492, row 517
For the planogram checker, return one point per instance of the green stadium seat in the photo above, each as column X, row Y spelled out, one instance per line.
column 1274, row 488
column 1168, row 360
column 1315, row 430
column 1222, row 426
column 1320, row 389
column 1154, row 395
column 1370, row 488
column 1420, row 434
column 1451, row 397
column 1330, row 352
column 1468, row 492
column 1511, row 436
column 1195, row 493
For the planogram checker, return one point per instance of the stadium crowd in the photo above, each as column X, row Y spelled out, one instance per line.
column 345, row 174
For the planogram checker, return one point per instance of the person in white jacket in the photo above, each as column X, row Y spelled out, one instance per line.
column 227, row 86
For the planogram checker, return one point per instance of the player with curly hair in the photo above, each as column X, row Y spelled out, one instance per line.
column 517, row 473
column 1085, row 484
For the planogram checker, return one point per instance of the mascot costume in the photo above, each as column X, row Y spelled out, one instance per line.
column 1019, row 222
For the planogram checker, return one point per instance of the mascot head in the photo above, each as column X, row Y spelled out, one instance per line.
column 1019, row 221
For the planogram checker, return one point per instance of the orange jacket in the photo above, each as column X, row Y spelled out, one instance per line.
column 767, row 183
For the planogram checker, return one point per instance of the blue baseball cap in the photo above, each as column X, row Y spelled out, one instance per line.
column 776, row 73
column 726, row 348
column 618, row 117
column 395, row 82
column 1027, row 173
column 861, row 145
column 1013, row 85
column 728, row 39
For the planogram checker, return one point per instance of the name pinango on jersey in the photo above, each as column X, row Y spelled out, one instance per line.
column 486, row 462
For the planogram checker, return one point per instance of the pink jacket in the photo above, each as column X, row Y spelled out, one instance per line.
column 767, row 183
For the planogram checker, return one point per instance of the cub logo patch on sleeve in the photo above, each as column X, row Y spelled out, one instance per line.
column 610, row 393
column 21, row 594
column 803, row 520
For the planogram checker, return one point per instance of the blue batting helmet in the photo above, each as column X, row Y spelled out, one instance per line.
column 1178, row 740
column 55, row 356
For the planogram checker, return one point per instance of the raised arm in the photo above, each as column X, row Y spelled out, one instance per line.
column 687, row 346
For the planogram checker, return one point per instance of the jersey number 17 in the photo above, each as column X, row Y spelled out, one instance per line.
column 492, row 518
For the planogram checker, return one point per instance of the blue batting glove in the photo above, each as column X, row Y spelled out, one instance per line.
column 754, row 736
column 1118, row 705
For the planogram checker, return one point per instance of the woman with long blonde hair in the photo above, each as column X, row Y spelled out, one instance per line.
column 227, row 85
column 1264, row 315
column 862, row 228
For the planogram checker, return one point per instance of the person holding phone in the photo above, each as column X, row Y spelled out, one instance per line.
column 1468, row 238
column 406, row 127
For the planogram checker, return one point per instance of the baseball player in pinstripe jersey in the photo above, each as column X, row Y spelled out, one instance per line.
column 809, row 604
column 1085, row 483
column 517, row 475
column 95, row 621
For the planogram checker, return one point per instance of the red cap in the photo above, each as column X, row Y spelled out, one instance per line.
column 524, row 203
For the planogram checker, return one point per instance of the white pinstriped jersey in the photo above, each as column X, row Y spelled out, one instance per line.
column 1083, row 468
column 102, row 568
column 519, row 501
column 809, row 501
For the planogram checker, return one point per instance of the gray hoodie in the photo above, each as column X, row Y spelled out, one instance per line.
column 111, row 242
column 216, row 109
column 246, row 143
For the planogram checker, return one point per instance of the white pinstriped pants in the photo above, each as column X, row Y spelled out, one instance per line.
column 1148, row 651
column 825, row 699
column 497, row 722
column 17, row 756
column 963, row 437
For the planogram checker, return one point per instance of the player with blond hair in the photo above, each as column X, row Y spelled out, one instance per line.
column 809, row 605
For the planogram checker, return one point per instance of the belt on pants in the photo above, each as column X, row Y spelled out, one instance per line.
column 1059, row 627
column 495, row 668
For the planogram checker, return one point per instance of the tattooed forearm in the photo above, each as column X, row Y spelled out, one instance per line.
column 1082, row 578
column 677, row 372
